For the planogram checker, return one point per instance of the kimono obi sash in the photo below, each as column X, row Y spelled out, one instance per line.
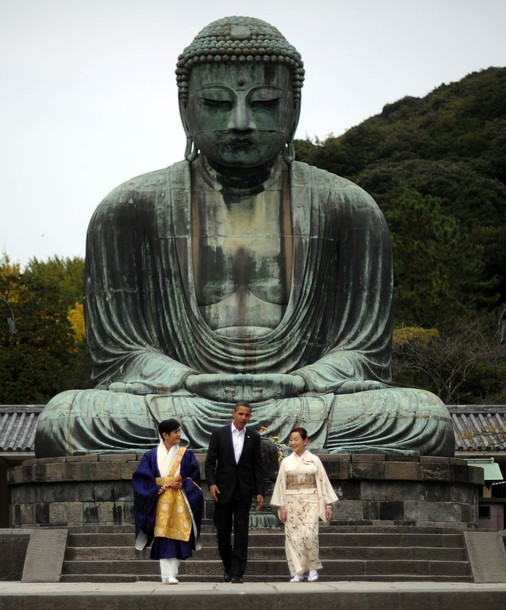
column 173, row 517
column 300, row 481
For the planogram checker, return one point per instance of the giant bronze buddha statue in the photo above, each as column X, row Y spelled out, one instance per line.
column 240, row 273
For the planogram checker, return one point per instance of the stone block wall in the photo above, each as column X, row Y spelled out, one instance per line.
column 376, row 489
column 381, row 489
column 74, row 491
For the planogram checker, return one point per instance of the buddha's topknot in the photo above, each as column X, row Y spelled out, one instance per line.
column 239, row 39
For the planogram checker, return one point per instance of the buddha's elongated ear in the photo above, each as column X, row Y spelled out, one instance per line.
column 191, row 152
column 289, row 149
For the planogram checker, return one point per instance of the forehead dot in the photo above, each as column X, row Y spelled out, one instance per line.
column 241, row 80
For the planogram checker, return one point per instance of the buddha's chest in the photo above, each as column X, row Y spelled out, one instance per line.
column 242, row 260
column 240, row 250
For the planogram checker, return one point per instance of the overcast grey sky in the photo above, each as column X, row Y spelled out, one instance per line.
column 89, row 96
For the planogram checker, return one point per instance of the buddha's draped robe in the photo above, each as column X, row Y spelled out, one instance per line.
column 143, row 323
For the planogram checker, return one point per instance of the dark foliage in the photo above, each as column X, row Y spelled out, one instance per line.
column 450, row 145
column 437, row 168
column 44, row 357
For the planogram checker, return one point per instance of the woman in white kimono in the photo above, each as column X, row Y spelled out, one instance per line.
column 303, row 494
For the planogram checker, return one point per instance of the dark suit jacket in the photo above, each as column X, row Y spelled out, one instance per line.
column 222, row 470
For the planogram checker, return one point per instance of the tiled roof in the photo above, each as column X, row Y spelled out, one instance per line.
column 17, row 427
column 477, row 427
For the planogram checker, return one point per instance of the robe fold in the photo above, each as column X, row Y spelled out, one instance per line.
column 143, row 322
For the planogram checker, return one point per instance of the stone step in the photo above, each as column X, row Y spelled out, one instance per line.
column 114, row 553
column 327, row 538
column 252, row 578
column 347, row 555
column 334, row 527
column 269, row 567
column 266, row 571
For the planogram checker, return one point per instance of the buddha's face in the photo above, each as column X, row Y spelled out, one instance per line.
column 240, row 115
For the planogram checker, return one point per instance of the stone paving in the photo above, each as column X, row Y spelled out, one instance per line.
column 255, row 596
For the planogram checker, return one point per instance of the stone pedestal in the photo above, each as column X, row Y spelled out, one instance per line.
column 377, row 489
column 73, row 491
column 405, row 491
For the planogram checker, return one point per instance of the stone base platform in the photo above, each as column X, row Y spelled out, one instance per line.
column 375, row 490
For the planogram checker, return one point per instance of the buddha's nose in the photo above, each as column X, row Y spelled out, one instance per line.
column 240, row 117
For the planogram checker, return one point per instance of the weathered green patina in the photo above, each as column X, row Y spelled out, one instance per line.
column 240, row 273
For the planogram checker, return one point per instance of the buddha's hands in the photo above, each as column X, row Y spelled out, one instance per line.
column 253, row 388
column 338, row 373
column 350, row 386
column 344, row 386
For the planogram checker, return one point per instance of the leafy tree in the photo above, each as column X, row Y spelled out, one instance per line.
column 465, row 364
column 439, row 274
column 450, row 145
column 66, row 273
column 42, row 359
column 76, row 318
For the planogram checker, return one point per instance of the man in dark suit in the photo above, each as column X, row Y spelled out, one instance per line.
column 234, row 474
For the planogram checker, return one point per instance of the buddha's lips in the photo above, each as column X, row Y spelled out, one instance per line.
column 239, row 142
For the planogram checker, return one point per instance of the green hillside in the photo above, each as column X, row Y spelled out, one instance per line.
column 437, row 168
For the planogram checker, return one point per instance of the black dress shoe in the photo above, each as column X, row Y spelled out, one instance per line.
column 227, row 577
column 237, row 580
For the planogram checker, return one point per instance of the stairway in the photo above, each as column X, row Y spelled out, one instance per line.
column 108, row 555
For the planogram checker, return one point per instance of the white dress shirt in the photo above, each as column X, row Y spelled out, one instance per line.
column 238, row 440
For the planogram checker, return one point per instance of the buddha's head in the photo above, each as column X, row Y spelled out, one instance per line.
column 239, row 93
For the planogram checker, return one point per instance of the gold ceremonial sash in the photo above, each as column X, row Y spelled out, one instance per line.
column 173, row 517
